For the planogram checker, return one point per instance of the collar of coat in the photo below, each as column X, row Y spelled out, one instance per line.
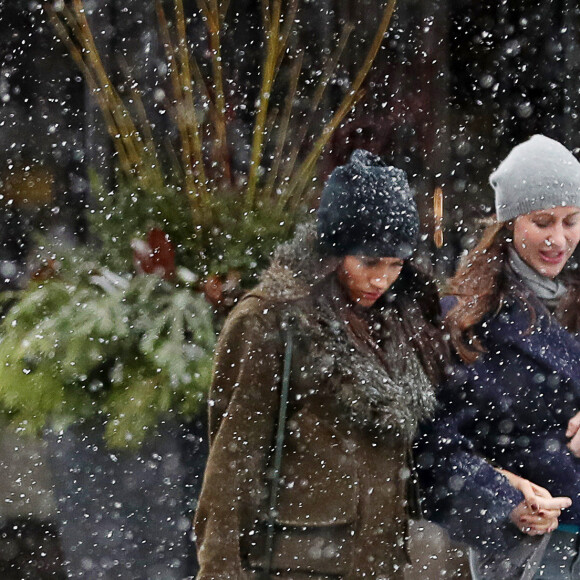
column 542, row 338
column 372, row 397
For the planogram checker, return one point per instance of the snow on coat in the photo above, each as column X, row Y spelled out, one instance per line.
column 509, row 409
column 342, row 508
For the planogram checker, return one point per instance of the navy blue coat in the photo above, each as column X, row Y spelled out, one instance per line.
column 510, row 409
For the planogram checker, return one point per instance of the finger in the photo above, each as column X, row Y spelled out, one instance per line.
column 531, row 531
column 550, row 513
column 539, row 514
column 553, row 503
column 574, row 444
column 537, row 531
column 537, row 520
column 573, row 425
column 548, row 526
column 538, row 528
column 540, row 491
column 530, row 497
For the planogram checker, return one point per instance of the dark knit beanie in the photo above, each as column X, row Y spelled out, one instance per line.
column 367, row 209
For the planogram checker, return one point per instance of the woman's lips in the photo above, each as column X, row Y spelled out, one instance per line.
column 552, row 258
column 371, row 295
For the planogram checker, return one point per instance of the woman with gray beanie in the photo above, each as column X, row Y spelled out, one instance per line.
column 512, row 400
column 321, row 376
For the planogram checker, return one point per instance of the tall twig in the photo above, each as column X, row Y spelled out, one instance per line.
column 72, row 27
column 328, row 70
column 197, row 168
column 282, row 133
column 272, row 30
column 148, row 139
column 129, row 134
column 214, row 17
column 189, row 128
column 305, row 172
column 287, row 27
column 64, row 35
column 177, row 90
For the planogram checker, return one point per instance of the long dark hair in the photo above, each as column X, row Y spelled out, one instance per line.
column 415, row 298
column 481, row 285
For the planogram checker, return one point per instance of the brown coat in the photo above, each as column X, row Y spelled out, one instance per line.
column 342, row 509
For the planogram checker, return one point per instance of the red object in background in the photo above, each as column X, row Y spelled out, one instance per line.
column 213, row 288
column 156, row 255
column 45, row 271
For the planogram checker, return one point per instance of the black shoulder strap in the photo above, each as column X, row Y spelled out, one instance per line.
column 275, row 484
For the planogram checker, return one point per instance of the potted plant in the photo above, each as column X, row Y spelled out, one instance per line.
column 109, row 349
column 115, row 369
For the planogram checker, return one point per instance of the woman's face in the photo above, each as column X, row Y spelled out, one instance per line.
column 546, row 238
column 367, row 279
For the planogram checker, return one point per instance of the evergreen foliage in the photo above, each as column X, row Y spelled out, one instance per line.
column 91, row 343
column 97, row 339
column 238, row 240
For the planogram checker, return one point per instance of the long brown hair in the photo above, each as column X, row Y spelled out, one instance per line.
column 481, row 285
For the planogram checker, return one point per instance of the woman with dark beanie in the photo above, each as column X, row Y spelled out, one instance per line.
column 344, row 303
column 513, row 399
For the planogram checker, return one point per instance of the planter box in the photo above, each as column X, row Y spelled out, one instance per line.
column 127, row 515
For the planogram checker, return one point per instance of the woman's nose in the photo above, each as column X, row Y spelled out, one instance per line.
column 380, row 281
column 557, row 237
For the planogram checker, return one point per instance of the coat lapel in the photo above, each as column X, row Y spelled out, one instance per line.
column 545, row 341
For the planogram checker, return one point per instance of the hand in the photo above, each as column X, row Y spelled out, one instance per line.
column 573, row 433
column 535, row 523
column 539, row 512
column 531, row 491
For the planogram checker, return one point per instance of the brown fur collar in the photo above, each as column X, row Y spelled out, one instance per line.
column 373, row 397
column 297, row 267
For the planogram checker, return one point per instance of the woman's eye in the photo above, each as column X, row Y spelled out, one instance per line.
column 541, row 224
column 370, row 262
column 571, row 224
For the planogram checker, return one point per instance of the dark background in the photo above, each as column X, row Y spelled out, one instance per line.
column 456, row 85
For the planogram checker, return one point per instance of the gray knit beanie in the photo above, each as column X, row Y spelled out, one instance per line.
column 367, row 208
column 538, row 174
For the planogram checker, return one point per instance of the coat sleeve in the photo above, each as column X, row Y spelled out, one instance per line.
column 243, row 408
column 461, row 489
column 540, row 410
